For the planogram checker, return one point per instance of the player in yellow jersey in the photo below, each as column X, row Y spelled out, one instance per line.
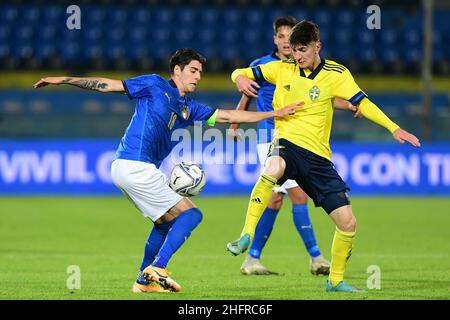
column 252, row 265
column 301, row 149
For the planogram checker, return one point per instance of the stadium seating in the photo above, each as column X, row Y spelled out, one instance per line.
column 138, row 36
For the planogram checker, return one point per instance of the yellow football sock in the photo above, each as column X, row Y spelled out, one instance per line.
column 340, row 253
column 259, row 200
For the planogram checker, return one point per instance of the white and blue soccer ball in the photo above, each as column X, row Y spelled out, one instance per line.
column 187, row 179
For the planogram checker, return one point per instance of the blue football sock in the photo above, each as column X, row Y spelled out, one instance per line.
column 305, row 228
column 262, row 232
column 154, row 242
column 184, row 224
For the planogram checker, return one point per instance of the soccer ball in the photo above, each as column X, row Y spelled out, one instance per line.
column 187, row 179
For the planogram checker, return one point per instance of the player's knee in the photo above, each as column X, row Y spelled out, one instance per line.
column 298, row 196
column 276, row 201
column 348, row 225
column 275, row 167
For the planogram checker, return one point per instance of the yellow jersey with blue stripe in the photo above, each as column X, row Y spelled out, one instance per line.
column 310, row 127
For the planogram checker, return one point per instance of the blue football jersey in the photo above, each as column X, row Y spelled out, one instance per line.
column 264, row 100
column 159, row 111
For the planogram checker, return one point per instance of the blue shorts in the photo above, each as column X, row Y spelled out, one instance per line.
column 316, row 175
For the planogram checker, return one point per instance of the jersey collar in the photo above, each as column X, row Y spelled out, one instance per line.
column 313, row 74
column 172, row 83
column 274, row 54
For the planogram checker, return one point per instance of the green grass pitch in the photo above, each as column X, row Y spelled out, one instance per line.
column 407, row 238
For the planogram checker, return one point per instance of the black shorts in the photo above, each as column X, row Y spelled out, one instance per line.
column 316, row 175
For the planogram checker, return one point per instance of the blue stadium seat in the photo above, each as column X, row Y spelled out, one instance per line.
column 31, row 14
column 412, row 38
column 5, row 33
column 95, row 15
column 71, row 51
column 323, row 18
column 161, row 35
column 207, row 36
column 142, row 15
column 277, row 12
column 5, row 50
column 233, row 17
column 388, row 55
column 9, row 14
column 164, row 16
column 255, row 17
column 24, row 51
column 115, row 34
column 366, row 37
column 92, row 51
column 186, row 16
column 46, row 50
column 208, row 17
column 52, row 13
column 344, row 18
column 137, row 35
column 48, row 33
column 413, row 55
column 389, row 37
column 24, row 33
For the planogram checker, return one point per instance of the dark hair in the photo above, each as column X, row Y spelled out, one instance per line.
column 183, row 57
column 279, row 22
column 304, row 33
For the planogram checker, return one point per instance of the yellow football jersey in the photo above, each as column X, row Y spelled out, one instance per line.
column 310, row 127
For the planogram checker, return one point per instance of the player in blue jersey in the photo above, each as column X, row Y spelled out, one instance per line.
column 252, row 265
column 161, row 107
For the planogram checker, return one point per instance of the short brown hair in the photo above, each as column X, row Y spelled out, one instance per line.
column 183, row 57
column 304, row 33
column 279, row 22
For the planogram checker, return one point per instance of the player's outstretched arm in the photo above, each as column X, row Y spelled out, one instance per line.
column 242, row 105
column 239, row 116
column 373, row 113
column 96, row 84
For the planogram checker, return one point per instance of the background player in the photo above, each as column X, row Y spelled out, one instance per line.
column 161, row 107
column 305, row 154
column 282, row 26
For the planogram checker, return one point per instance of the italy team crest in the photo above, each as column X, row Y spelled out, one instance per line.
column 185, row 112
column 314, row 93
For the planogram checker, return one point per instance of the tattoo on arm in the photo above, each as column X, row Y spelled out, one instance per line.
column 88, row 84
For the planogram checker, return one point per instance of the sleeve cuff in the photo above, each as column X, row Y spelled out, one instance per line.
column 211, row 121
column 126, row 90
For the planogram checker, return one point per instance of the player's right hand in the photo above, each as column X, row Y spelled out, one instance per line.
column 403, row 136
column 357, row 112
column 289, row 110
column 233, row 133
column 247, row 86
column 49, row 80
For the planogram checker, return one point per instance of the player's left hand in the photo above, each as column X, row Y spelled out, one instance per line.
column 289, row 110
column 357, row 113
column 403, row 136
column 49, row 80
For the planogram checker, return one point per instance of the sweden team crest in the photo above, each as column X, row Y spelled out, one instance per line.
column 185, row 112
column 314, row 93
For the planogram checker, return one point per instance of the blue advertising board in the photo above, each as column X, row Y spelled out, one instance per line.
column 82, row 167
